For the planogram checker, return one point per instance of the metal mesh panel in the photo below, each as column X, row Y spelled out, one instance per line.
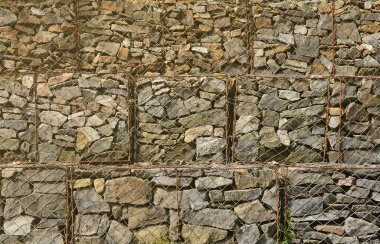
column 280, row 119
column 332, row 206
column 181, row 118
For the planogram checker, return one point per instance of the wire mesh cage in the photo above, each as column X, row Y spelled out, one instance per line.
column 181, row 118
column 332, row 205
column 38, row 36
column 279, row 119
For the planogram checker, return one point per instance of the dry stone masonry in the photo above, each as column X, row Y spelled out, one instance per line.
column 82, row 117
column 291, row 38
column 17, row 118
column 189, row 84
column 334, row 206
column 182, row 118
column 37, row 35
column 360, row 128
column 33, row 206
column 357, row 37
column 117, row 35
column 280, row 119
column 141, row 206
column 205, row 36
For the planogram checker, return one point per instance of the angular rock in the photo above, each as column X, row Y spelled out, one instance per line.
column 172, row 181
column 89, row 201
column 218, row 218
column 300, row 207
column 248, row 234
column 192, row 197
column 143, row 216
column 7, row 17
column 152, row 233
column 85, row 136
column 193, row 133
column 19, row 226
column 99, row 146
column 269, row 102
column 242, row 195
column 165, row 198
column 358, row 227
column 307, row 45
column 211, row 182
column 348, row 31
column 234, row 47
column 128, row 190
column 246, row 124
column 86, row 225
column 176, row 108
column 50, row 235
column 53, row 118
column 254, row 212
column 369, row 184
column 201, row 234
column 118, row 233
column 109, row 48
column 209, row 145
column 258, row 178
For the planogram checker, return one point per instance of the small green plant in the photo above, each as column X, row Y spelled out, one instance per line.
column 162, row 240
column 23, row 239
column 289, row 233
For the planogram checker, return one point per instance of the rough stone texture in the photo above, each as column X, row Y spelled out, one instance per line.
column 333, row 205
column 37, row 35
column 83, row 117
column 181, row 119
column 357, row 38
column 205, row 36
column 283, row 120
column 322, row 204
column 17, row 124
column 138, row 190
column 360, row 133
column 118, row 35
column 291, row 37
column 33, row 205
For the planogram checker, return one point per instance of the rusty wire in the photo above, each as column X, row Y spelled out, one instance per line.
column 129, row 164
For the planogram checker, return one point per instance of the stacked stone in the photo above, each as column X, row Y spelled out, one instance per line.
column 334, row 206
column 205, row 36
column 292, row 37
column 228, row 206
column 141, row 206
column 37, row 35
column 33, row 207
column 360, row 124
column 280, row 119
column 181, row 118
column 17, row 118
column 116, row 35
column 82, row 117
column 357, row 37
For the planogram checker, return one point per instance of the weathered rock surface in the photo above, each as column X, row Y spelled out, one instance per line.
column 184, row 120
column 128, row 190
column 280, row 120
column 83, row 117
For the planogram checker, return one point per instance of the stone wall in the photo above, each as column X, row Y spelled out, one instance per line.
column 334, row 206
column 280, row 119
column 181, row 118
column 202, row 204
column 17, row 118
column 174, row 82
column 173, row 37
column 82, row 117
column 139, row 205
